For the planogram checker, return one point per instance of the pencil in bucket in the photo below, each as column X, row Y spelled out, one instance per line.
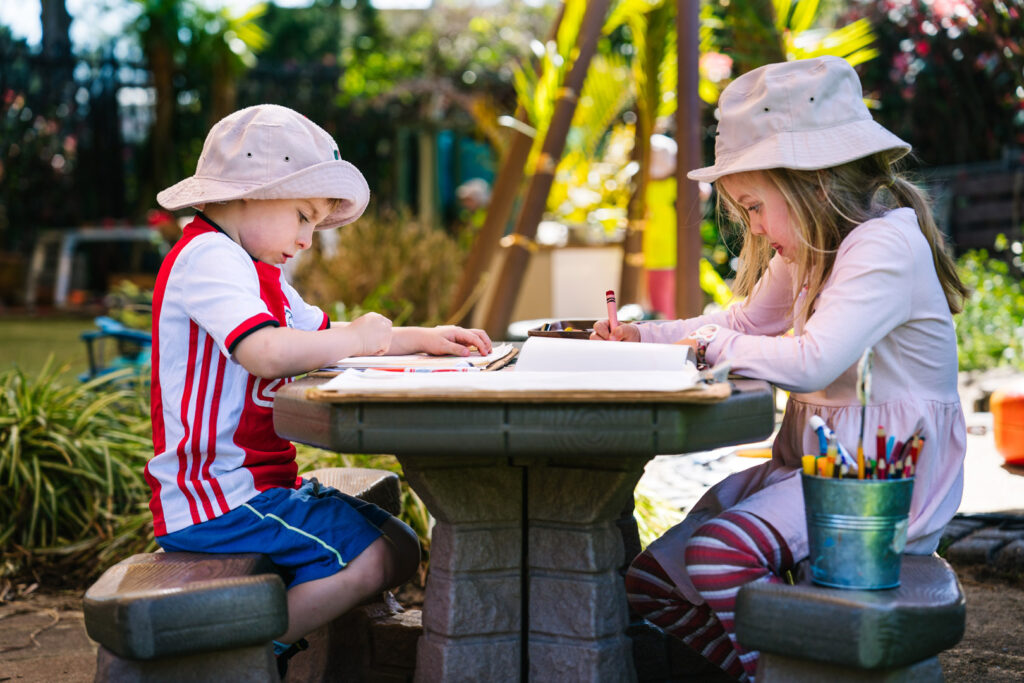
column 857, row 515
column 857, row 530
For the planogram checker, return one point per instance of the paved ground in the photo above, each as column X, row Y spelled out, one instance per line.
column 43, row 640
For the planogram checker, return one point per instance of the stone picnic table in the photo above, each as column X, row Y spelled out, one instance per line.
column 524, row 579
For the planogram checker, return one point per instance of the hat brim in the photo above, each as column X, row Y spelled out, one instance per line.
column 337, row 179
column 807, row 150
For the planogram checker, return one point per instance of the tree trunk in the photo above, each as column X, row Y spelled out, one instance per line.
column 689, row 298
column 56, row 23
column 511, row 276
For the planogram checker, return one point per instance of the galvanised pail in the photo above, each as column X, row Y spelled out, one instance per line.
column 857, row 529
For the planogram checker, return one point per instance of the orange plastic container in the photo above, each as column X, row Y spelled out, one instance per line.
column 1007, row 406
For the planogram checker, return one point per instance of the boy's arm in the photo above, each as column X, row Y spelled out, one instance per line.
column 272, row 352
column 439, row 341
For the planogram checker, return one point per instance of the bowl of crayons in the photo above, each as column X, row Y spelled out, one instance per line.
column 566, row 329
column 858, row 510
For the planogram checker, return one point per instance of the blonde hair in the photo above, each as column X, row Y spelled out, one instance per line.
column 825, row 205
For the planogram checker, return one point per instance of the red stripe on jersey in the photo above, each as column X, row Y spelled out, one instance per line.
column 247, row 326
column 211, row 453
column 326, row 323
column 195, row 471
column 186, row 394
column 156, row 403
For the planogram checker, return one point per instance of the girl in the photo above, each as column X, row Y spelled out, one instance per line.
column 845, row 252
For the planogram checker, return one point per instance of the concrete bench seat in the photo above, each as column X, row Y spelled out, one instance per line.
column 811, row 633
column 203, row 617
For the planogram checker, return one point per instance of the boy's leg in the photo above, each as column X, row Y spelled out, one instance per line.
column 734, row 549
column 314, row 603
column 652, row 595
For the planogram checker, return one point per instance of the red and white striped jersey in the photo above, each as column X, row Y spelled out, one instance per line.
column 213, row 433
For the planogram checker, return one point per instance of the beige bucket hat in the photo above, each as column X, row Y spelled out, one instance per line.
column 271, row 152
column 804, row 115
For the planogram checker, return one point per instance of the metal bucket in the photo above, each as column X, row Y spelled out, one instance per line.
column 857, row 530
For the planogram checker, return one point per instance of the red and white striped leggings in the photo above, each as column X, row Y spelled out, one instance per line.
column 733, row 549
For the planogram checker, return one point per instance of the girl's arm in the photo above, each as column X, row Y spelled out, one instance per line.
column 768, row 311
column 868, row 295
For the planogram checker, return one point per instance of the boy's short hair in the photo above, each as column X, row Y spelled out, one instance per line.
column 272, row 152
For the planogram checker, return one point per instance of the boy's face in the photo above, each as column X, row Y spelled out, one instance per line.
column 275, row 230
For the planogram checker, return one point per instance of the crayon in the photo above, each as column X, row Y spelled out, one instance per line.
column 613, row 316
column 879, row 445
column 808, row 464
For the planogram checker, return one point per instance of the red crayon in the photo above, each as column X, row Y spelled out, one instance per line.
column 613, row 316
column 880, row 453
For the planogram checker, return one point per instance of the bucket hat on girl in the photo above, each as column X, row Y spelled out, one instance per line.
column 271, row 152
column 803, row 115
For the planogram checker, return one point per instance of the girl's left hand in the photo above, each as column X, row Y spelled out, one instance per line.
column 453, row 340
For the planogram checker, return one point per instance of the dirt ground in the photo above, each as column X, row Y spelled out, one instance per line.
column 43, row 640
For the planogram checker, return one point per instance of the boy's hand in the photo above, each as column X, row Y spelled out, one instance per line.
column 624, row 332
column 452, row 340
column 374, row 331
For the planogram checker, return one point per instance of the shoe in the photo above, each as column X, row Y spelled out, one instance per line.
column 282, row 659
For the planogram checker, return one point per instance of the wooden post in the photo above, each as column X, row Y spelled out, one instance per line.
column 633, row 244
column 689, row 298
column 511, row 276
column 503, row 197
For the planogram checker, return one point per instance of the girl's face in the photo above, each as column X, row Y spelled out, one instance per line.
column 766, row 209
column 275, row 230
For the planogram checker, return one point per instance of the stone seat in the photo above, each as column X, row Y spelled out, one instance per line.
column 811, row 633
column 200, row 616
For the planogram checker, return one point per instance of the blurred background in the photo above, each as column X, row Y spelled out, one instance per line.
column 445, row 106
column 105, row 102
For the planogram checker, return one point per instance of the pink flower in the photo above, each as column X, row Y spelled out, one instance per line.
column 715, row 66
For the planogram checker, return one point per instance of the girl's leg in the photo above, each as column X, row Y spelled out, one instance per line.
column 734, row 549
column 652, row 595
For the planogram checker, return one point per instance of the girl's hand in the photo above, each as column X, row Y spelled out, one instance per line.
column 624, row 332
column 374, row 333
column 452, row 340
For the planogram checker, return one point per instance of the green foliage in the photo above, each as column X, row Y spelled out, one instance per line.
column 653, row 516
column 990, row 330
column 71, row 459
column 131, row 305
column 389, row 264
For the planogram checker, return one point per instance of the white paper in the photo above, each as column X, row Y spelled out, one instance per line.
column 584, row 355
column 532, row 381
column 422, row 360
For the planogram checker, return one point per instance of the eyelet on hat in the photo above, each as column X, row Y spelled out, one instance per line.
column 836, row 130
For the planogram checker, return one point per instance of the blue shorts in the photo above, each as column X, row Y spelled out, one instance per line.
column 310, row 533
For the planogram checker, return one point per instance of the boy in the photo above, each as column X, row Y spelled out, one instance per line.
column 228, row 330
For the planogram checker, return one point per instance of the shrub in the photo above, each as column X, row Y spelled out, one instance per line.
column 71, row 459
column 389, row 264
column 990, row 331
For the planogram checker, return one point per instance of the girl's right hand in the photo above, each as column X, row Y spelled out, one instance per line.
column 624, row 332
column 374, row 332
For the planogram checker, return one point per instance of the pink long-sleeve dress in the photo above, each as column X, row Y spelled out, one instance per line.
column 883, row 292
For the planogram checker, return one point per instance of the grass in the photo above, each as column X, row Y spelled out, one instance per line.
column 26, row 342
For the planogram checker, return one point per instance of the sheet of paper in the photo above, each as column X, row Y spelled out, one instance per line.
column 584, row 355
column 422, row 360
column 513, row 381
